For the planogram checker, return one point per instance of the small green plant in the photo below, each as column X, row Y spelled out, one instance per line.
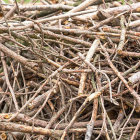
column 122, row 1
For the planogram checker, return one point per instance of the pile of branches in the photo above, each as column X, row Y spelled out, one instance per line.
column 70, row 70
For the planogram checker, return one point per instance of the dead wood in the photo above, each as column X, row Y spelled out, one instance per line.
column 70, row 70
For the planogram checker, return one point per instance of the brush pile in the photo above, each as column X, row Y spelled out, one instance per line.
column 70, row 70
